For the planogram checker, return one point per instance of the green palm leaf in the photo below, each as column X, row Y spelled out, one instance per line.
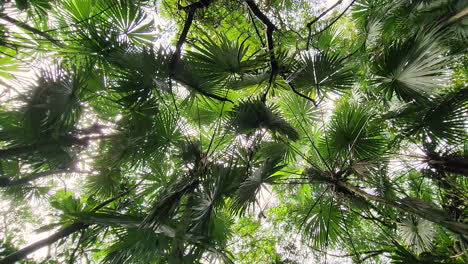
column 249, row 189
column 416, row 233
column 129, row 20
column 323, row 224
column 251, row 115
column 440, row 119
column 137, row 246
column 222, row 61
column 322, row 72
column 412, row 68
column 353, row 133
column 54, row 104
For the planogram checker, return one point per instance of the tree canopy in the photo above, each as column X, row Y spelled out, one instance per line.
column 233, row 131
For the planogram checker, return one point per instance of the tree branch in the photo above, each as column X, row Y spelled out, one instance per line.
column 63, row 233
column 334, row 21
column 309, row 25
column 7, row 182
column 270, row 28
column 36, row 31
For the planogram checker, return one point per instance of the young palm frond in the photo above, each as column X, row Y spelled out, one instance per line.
column 416, row 233
column 412, row 68
column 321, row 73
column 251, row 115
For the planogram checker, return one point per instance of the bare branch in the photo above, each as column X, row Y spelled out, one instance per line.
column 270, row 28
column 334, row 21
column 309, row 25
column 27, row 27
column 191, row 10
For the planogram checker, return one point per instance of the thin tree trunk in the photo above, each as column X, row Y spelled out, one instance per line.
column 7, row 182
column 63, row 233
column 459, row 16
column 455, row 164
column 414, row 206
column 64, row 141
column 36, row 31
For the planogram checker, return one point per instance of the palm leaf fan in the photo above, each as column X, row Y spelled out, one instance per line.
column 353, row 133
column 299, row 112
column 129, row 19
column 251, row 115
column 416, row 233
column 165, row 207
column 146, row 134
column 323, row 224
column 186, row 75
column 141, row 74
column 412, row 68
column 441, row 119
column 323, row 72
column 138, row 246
column 106, row 184
column 54, row 103
column 250, row 187
column 225, row 60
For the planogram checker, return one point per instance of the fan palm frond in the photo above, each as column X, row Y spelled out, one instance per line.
column 137, row 246
column 251, row 115
column 416, row 233
column 440, row 119
column 411, row 69
column 353, row 133
column 165, row 207
column 249, row 189
column 141, row 75
column 299, row 112
column 224, row 61
column 321, row 73
column 129, row 20
column 54, row 103
column 106, row 184
column 324, row 224
column 148, row 132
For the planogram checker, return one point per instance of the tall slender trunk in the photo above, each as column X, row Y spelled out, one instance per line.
column 414, row 206
column 452, row 164
column 63, row 233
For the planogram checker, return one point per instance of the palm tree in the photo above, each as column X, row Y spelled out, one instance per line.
column 266, row 128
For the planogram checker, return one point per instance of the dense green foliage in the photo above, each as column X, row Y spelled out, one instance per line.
column 233, row 131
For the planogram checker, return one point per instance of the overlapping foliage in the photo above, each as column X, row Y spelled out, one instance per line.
column 234, row 131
